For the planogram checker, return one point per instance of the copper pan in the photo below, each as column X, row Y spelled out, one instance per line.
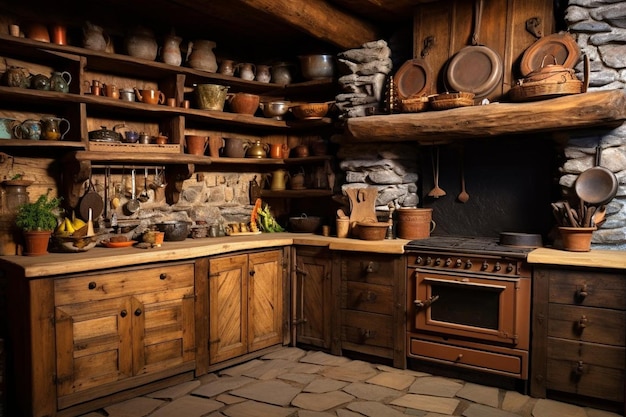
column 476, row 68
column 413, row 78
column 596, row 185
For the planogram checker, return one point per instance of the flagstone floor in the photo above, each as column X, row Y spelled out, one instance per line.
column 292, row 382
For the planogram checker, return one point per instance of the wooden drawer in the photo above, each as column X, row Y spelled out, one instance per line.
column 461, row 356
column 367, row 329
column 592, row 289
column 83, row 288
column 370, row 268
column 586, row 369
column 369, row 297
column 587, row 324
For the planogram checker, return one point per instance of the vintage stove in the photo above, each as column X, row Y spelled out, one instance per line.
column 468, row 302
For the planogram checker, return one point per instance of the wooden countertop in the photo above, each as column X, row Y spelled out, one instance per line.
column 103, row 258
column 592, row 259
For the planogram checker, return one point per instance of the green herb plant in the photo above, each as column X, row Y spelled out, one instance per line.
column 40, row 215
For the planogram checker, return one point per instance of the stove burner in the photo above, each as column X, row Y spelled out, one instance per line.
column 468, row 245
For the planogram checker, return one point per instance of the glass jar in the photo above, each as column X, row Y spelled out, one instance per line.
column 15, row 194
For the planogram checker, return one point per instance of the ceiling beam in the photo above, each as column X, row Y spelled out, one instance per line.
column 320, row 20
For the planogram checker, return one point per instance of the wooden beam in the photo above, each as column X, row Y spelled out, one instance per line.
column 592, row 109
column 320, row 20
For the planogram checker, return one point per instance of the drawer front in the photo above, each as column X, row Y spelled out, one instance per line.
column 592, row 289
column 587, row 324
column 370, row 268
column 109, row 285
column 461, row 356
column 367, row 329
column 369, row 297
column 586, row 369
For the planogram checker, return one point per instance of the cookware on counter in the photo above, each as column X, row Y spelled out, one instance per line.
column 106, row 135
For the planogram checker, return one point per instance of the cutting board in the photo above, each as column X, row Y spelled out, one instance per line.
column 362, row 204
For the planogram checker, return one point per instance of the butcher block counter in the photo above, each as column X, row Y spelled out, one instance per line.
column 592, row 259
column 102, row 258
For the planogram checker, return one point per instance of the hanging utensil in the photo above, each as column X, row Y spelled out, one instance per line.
column 90, row 200
column 463, row 195
column 596, row 185
column 132, row 205
column 144, row 196
column 436, row 192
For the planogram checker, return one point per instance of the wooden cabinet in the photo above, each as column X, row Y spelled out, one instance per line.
column 316, row 298
column 373, row 305
column 579, row 337
column 98, row 337
column 246, row 304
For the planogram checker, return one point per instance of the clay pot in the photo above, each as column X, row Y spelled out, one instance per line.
column 263, row 73
column 142, row 44
column 17, row 77
column 93, row 37
column 196, row 145
column 244, row 103
column 200, row 55
column 170, row 54
column 227, row 67
column 577, row 239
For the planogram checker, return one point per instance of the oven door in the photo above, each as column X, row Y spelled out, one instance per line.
column 470, row 305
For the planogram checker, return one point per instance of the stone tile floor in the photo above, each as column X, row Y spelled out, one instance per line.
column 292, row 382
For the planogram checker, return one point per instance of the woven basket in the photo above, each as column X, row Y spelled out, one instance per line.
column 541, row 90
column 414, row 104
column 446, row 101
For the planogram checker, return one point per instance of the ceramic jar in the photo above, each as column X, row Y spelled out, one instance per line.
column 40, row 82
column 257, row 150
column 200, row 55
column 141, row 43
column 263, row 73
column 170, row 53
column 281, row 73
column 227, row 67
column 244, row 103
column 93, row 37
column 17, row 77
column 60, row 81
column 247, row 71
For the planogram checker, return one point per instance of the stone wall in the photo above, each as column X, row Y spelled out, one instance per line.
column 600, row 29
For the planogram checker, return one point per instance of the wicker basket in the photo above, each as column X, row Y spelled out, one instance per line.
column 414, row 104
column 446, row 101
column 541, row 90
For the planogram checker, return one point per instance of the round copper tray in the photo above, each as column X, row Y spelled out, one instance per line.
column 477, row 69
column 561, row 46
column 412, row 78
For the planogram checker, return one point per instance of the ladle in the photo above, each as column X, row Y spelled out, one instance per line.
column 436, row 192
column 463, row 195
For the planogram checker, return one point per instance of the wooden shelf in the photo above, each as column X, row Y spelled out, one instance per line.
column 587, row 110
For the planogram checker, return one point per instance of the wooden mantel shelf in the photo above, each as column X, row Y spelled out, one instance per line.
column 567, row 113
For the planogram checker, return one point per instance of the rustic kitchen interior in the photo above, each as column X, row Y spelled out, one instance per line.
column 383, row 180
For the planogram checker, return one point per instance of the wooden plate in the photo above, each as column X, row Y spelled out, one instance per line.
column 476, row 69
column 561, row 46
column 412, row 78
column 125, row 244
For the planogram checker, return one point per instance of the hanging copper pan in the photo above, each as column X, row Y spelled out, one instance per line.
column 413, row 78
column 476, row 68
column 562, row 46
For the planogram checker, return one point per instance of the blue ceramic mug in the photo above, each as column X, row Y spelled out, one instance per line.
column 28, row 129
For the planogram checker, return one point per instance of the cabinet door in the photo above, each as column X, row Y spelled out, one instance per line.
column 228, row 306
column 265, row 299
column 163, row 330
column 93, row 345
column 314, row 304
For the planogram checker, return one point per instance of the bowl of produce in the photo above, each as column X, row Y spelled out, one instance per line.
column 304, row 223
column 74, row 243
column 175, row 230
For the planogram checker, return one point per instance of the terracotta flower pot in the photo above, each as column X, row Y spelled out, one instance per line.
column 577, row 239
column 36, row 243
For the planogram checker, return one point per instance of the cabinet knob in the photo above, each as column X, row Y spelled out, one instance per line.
column 579, row 369
column 252, row 272
column 582, row 322
column 582, row 292
column 459, row 357
column 163, row 276
column 92, row 285
column 367, row 334
column 123, row 313
column 369, row 296
column 370, row 267
column 138, row 312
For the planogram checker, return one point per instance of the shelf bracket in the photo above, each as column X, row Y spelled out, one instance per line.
column 75, row 173
column 175, row 175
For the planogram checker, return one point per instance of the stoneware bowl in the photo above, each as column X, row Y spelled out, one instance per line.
column 371, row 230
column 304, row 224
column 174, row 230
column 310, row 111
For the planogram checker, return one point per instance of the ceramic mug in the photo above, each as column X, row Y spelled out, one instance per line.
column 150, row 96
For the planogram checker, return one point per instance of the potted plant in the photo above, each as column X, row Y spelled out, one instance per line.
column 37, row 221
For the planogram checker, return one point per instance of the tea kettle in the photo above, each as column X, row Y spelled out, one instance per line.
column 257, row 150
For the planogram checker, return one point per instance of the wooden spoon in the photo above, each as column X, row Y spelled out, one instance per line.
column 436, row 192
column 463, row 195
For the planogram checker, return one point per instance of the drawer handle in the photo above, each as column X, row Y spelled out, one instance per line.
column 123, row 313
column 163, row 276
column 367, row 334
column 138, row 312
column 370, row 267
column 579, row 369
column 459, row 357
column 582, row 323
column 582, row 292
column 369, row 296
column 92, row 285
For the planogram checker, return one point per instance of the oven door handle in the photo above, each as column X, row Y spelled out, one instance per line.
column 419, row 304
column 465, row 282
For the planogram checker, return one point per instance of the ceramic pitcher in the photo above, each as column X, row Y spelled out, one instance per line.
column 28, row 129
column 170, row 53
column 247, row 71
column 200, row 55
column 51, row 128
column 278, row 179
column 60, row 81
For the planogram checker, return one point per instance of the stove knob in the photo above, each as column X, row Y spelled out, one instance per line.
column 497, row 267
column 448, row 262
column 437, row 261
column 458, row 263
column 484, row 266
column 509, row 268
column 418, row 260
column 468, row 264
column 428, row 260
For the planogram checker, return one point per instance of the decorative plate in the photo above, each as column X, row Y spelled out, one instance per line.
column 125, row 244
